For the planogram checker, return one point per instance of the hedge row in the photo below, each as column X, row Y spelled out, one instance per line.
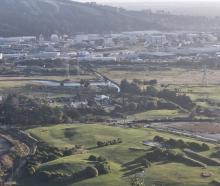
column 109, row 142
column 173, row 143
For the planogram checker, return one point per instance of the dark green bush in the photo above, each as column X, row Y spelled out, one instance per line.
column 92, row 158
column 103, row 168
column 91, row 172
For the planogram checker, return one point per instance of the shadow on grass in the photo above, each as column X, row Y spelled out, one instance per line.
column 137, row 166
column 133, row 167
column 133, row 171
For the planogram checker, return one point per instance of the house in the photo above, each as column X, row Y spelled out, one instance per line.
column 101, row 98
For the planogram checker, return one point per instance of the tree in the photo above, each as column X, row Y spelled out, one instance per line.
column 132, row 106
column 171, row 142
column 87, row 83
column 182, row 100
column 153, row 82
column 130, row 88
column 82, row 82
column 152, row 91
column 124, row 85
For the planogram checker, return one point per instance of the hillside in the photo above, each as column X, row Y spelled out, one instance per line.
column 33, row 17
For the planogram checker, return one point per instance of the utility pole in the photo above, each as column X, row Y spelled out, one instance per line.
column 68, row 70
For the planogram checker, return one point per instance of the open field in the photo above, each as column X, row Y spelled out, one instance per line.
column 123, row 161
column 175, row 76
column 157, row 114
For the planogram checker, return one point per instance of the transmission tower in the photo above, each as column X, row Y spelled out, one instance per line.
column 204, row 78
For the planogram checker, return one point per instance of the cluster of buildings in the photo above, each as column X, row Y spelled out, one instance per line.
column 129, row 46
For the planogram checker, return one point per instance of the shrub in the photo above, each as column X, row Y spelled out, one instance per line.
column 171, row 142
column 91, row 172
column 159, row 139
column 194, row 146
column 101, row 144
column 69, row 152
column 181, row 144
column 205, row 147
column 109, row 142
column 101, row 159
column 92, row 158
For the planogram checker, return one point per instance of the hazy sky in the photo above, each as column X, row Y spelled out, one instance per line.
column 187, row 7
column 121, row 1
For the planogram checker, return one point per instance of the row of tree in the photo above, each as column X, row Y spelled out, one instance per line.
column 173, row 143
column 133, row 88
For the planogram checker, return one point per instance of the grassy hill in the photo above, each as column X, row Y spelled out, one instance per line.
column 123, row 161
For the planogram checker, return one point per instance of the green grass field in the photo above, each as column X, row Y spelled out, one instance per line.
column 161, row 173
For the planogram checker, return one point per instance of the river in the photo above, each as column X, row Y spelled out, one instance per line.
column 76, row 84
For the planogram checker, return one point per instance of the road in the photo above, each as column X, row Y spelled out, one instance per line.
column 25, row 144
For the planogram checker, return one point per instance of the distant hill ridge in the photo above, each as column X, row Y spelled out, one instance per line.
column 33, row 17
